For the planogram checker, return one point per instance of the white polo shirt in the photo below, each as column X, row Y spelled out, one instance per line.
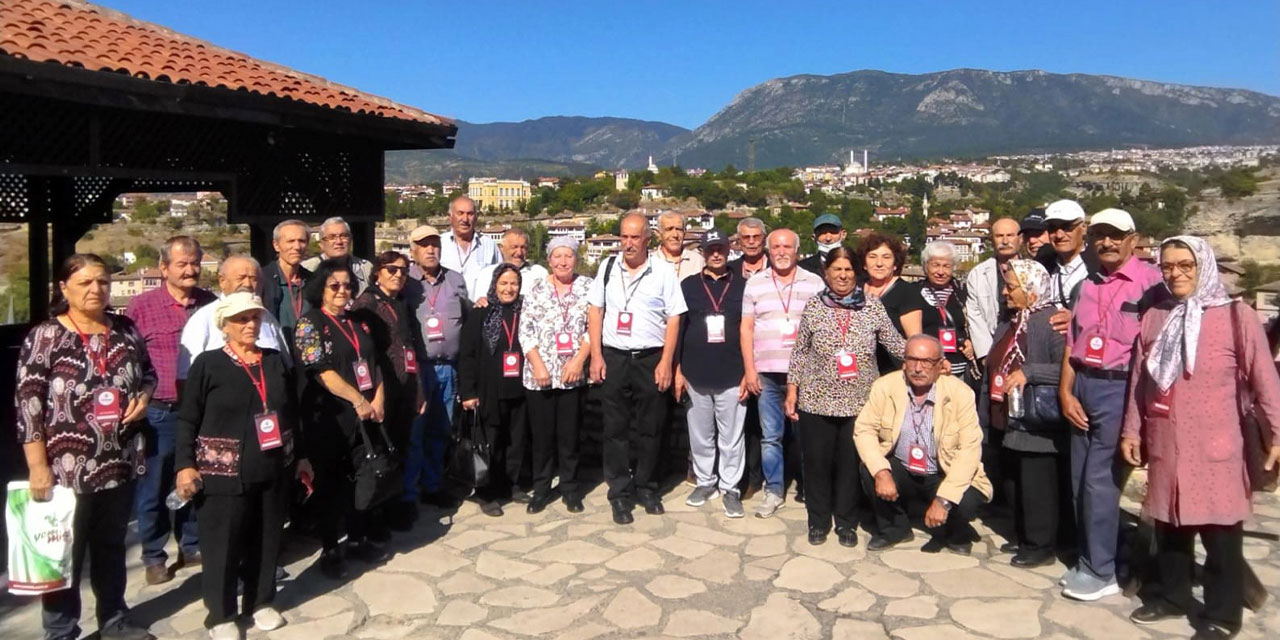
column 651, row 297
column 200, row 335
column 483, row 252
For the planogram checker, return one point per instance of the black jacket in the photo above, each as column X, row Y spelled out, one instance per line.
column 272, row 280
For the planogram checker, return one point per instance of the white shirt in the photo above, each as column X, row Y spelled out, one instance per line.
column 691, row 262
column 1065, row 278
column 200, row 335
column 362, row 269
column 483, row 252
column 651, row 297
column 530, row 274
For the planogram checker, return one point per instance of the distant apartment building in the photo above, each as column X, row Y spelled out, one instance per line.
column 575, row 230
column 125, row 286
column 554, row 183
column 494, row 231
column 620, row 178
column 601, row 246
column 882, row 213
column 494, row 194
column 653, row 192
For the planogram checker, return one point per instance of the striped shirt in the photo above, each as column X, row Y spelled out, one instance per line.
column 771, row 304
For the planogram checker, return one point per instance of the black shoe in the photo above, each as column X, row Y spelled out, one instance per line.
column 367, row 551
column 438, row 499
column 847, row 537
column 572, row 504
column 332, row 564
column 960, row 548
column 799, row 497
column 934, row 545
column 653, row 506
column 880, row 542
column 401, row 516
column 123, row 629
column 1155, row 611
column 520, row 496
column 1029, row 559
column 817, row 536
column 621, row 512
column 1010, row 547
column 380, row 534
column 491, row 508
column 538, row 503
column 1212, row 632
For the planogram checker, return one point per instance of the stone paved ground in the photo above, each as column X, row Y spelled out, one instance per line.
column 691, row 573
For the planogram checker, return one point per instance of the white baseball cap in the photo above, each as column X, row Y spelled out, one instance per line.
column 1117, row 218
column 1067, row 210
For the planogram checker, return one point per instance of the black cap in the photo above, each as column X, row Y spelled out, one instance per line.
column 713, row 236
column 1034, row 220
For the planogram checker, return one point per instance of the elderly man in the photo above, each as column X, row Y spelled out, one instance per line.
column 160, row 315
column 633, row 321
column 201, row 333
column 438, row 297
column 283, row 279
column 515, row 250
column 920, row 443
column 754, row 259
column 828, row 233
column 985, row 305
column 335, row 244
column 685, row 262
column 462, row 249
column 771, row 306
column 1095, row 375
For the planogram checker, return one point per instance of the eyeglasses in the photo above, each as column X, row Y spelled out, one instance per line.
column 338, row 286
column 922, row 362
column 395, row 269
column 337, row 236
column 1185, row 268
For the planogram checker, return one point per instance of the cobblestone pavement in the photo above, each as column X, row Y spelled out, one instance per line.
column 690, row 573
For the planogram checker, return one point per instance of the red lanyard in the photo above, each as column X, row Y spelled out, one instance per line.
column 353, row 337
column 511, row 331
column 845, row 318
column 431, row 300
column 786, row 304
column 1104, row 309
column 259, row 382
column 564, row 308
column 296, row 301
column 395, row 317
column 97, row 358
column 715, row 304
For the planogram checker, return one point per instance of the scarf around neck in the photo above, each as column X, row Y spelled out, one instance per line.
column 1174, row 350
column 493, row 330
column 1034, row 279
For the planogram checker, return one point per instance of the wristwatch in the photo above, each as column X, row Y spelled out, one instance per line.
column 946, row 504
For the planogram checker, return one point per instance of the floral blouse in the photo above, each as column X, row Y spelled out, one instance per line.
column 56, row 381
column 543, row 316
column 813, row 359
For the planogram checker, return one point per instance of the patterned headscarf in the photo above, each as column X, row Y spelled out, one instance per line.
column 1175, row 348
column 1034, row 279
column 562, row 241
column 493, row 330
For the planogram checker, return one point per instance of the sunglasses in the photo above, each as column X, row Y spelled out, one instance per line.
column 338, row 286
column 394, row 269
column 1054, row 226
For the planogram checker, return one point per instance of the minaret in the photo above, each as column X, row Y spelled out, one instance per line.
column 925, row 207
column 866, row 168
column 652, row 167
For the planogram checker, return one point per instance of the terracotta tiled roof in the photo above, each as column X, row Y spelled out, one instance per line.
column 79, row 34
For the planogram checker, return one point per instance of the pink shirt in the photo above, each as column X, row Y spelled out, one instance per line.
column 1110, row 307
column 771, row 303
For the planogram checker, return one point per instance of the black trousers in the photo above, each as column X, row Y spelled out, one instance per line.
column 1036, row 497
column 333, row 500
column 918, row 491
column 99, row 526
column 504, row 426
column 240, row 540
column 1223, row 570
column 753, row 471
column 555, row 416
column 634, row 413
column 830, row 470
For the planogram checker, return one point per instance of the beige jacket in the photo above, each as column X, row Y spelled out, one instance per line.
column 956, row 434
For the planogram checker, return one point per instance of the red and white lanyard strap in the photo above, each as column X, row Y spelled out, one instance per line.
column 295, row 300
column 715, row 304
column 353, row 337
column 259, row 381
column 564, row 308
column 97, row 357
column 791, row 287
column 510, row 330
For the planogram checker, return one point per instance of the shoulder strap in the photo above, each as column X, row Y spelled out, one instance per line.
column 608, row 270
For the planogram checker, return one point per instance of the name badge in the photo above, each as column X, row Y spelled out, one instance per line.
column 789, row 330
column 715, row 328
column 916, row 461
column 106, row 407
column 511, row 364
column 846, row 366
column 997, row 388
column 267, row 426
column 1162, row 405
column 435, row 329
column 1094, row 348
column 364, row 379
column 948, row 339
column 410, row 360
column 624, row 323
column 564, row 343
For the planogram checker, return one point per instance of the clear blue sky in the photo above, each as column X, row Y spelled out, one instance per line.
column 680, row 62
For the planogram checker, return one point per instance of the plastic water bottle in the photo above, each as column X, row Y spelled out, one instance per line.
column 174, row 501
column 1014, row 401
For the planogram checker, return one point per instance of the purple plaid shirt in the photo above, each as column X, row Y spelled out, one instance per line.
column 160, row 319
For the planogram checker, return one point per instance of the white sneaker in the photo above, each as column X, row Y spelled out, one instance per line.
column 772, row 502
column 267, row 619
column 225, row 631
column 1086, row 588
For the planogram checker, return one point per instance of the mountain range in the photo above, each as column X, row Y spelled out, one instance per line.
column 811, row 119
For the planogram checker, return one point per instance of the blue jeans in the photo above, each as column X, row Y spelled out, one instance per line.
column 773, row 391
column 154, row 524
column 429, row 436
column 1096, row 477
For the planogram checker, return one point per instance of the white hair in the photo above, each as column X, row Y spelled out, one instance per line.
column 222, row 268
column 794, row 236
column 927, row 337
column 751, row 223
column 938, row 249
column 275, row 233
column 332, row 221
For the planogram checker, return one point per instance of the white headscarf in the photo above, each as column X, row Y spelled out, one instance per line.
column 1175, row 350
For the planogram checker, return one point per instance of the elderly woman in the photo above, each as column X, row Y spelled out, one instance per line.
column 881, row 258
column 943, row 300
column 553, row 332
column 397, row 335
column 236, row 442
column 344, row 394
column 828, row 383
column 1027, row 353
column 83, row 384
column 1195, row 356
column 489, row 382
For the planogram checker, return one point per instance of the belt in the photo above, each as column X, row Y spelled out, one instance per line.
column 161, row 405
column 436, row 361
column 1104, row 374
column 635, row 354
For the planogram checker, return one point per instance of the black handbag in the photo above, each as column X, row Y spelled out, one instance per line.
column 471, row 452
column 1042, row 409
column 1256, row 431
column 377, row 470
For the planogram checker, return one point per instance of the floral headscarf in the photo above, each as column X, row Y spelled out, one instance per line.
column 1175, row 349
column 493, row 317
column 1034, row 279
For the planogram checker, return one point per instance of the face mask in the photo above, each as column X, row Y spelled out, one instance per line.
column 825, row 248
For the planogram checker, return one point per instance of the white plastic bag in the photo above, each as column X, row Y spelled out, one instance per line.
column 39, row 539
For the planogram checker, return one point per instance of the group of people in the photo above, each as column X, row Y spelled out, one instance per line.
column 883, row 399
